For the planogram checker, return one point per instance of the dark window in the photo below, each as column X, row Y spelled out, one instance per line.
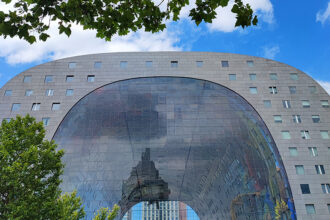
column 69, row 78
column 272, row 90
column 292, row 89
column 325, row 103
column 90, row 78
column 305, row 104
column 316, row 118
column 286, row 104
column 224, row 63
column 325, row 188
column 296, row 119
column 319, row 169
column 56, row 106
column 174, row 63
column 305, row 189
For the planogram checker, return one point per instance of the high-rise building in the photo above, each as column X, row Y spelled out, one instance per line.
column 164, row 210
column 231, row 136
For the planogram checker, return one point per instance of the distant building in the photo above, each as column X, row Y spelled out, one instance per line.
column 167, row 210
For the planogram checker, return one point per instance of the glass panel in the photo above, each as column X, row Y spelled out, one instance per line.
column 277, row 119
column 253, row 76
column 49, row 92
column 90, row 78
column 72, row 65
column 174, row 64
column 273, row 76
column 305, row 135
column 316, row 118
column 199, row 63
column 35, row 107
column 16, row 107
column 48, row 79
column 292, row 89
column 305, row 104
column 273, row 90
column 148, row 63
column 312, row 89
column 300, row 169
column 293, row 151
column 8, row 93
column 45, row 121
column 69, row 92
column 232, row 77
column 267, row 103
column 123, row 64
column 253, row 90
column 313, row 151
column 224, row 63
column 286, row 135
column 325, row 134
column 69, row 78
column 250, row 63
column 310, row 209
column 97, row 64
column 305, row 189
column 27, row 79
column 28, row 92
column 56, row 106
column 325, row 103
column 294, row 76
column 286, row 104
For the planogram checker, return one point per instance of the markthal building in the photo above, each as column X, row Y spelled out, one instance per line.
column 231, row 136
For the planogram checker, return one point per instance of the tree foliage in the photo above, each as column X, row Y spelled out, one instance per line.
column 106, row 214
column 32, row 18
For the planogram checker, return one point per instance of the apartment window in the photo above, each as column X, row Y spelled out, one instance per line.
column 305, row 134
column 72, row 65
column 123, row 64
column 267, row 103
column 35, row 107
column 15, row 107
column 199, row 63
column 56, row 106
column 69, row 78
column 324, row 134
column 296, row 119
column 97, row 64
column 313, row 151
column 272, row 89
column 8, row 92
column 312, row 89
column 174, row 64
column 149, row 64
column 277, row 119
column 69, row 92
column 28, row 92
column 45, row 121
column 27, row 79
column 90, row 78
column 305, row 104
column 250, row 63
column 319, row 169
column 305, row 189
column 273, row 76
column 294, row 76
column 224, row 63
column 300, row 169
column 49, row 92
column 293, row 151
column 253, row 90
column 326, row 188
column 292, row 89
column 48, row 79
column 286, row 135
column 325, row 103
column 286, row 104
column 232, row 77
column 310, row 209
column 315, row 118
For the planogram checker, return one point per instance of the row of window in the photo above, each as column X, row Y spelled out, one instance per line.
column 325, row 187
column 305, row 134
column 319, row 169
column 310, row 209
column 296, row 119
column 49, row 92
column 304, row 103
column 312, row 151
column 274, row 90
column 35, row 106
column 272, row 76
column 50, row 78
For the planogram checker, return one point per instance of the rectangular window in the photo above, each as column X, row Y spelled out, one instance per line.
column 267, row 103
column 324, row 134
column 312, row 89
column 294, row 76
column 325, row 103
column 148, row 64
column 7, row 119
column 232, row 77
column 15, row 107
column 48, row 79
column 305, row 104
column 286, row 104
column 72, row 65
column 253, row 90
column 305, row 189
column 28, row 92
column 69, row 78
column 293, row 151
column 300, row 169
column 97, row 64
column 56, row 106
column 35, row 107
column 286, row 135
column 305, row 134
column 45, row 121
column 319, row 169
column 123, row 64
column 174, row 64
column 199, row 63
column 310, row 209
column 296, row 119
column 273, row 76
column 90, row 78
column 277, row 118
column 27, row 79
column 250, row 63
column 292, row 89
column 252, row 76
column 316, row 118
column 272, row 90
column 224, row 63
column 313, row 151
column 325, row 188
column 69, row 92
column 8, row 93
column 49, row 92
column 328, row 207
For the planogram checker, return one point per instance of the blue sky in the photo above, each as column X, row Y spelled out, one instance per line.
column 294, row 32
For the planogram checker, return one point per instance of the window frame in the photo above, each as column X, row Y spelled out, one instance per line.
column 224, row 63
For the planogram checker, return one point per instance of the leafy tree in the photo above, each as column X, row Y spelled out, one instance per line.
column 106, row 214
column 31, row 18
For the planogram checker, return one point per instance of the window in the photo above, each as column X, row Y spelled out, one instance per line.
column 123, row 64
column 299, row 169
column 232, row 77
column 35, row 107
column 27, row 79
column 293, row 151
column 325, row 103
column 90, row 78
column 286, row 135
column 313, row 151
column 69, row 92
column 45, row 121
column 28, row 92
column 49, row 92
column 174, row 64
column 199, row 63
column 224, row 63
column 15, row 107
column 273, row 76
column 148, row 63
column 272, row 89
column 48, row 79
column 292, row 89
column 69, row 78
column 312, row 89
column 253, row 90
column 8, row 93
column 267, row 104
column 250, row 63
column 310, row 209
column 316, row 118
column 294, row 76
column 305, row 134
column 72, row 65
column 7, row 119
column 56, row 106
column 305, row 189
column 305, row 104
column 328, row 207
column 97, row 64
column 324, row 134
column 296, row 119
column 277, row 119
column 252, row 76
column 319, row 169
column 286, row 104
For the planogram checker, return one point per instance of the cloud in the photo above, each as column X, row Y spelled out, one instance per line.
column 325, row 85
column 270, row 52
column 323, row 17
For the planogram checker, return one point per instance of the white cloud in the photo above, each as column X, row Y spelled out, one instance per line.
column 325, row 85
column 270, row 52
column 322, row 17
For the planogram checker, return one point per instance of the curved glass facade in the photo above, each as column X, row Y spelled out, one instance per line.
column 179, row 139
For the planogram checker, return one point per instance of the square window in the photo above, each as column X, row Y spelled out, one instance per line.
column 123, row 64
column 305, row 134
column 224, row 63
column 45, row 121
column 28, row 92
column 273, row 76
column 174, row 64
column 324, row 134
column 90, row 78
column 69, row 92
column 97, row 64
column 293, row 151
column 15, row 107
column 272, row 89
column 305, row 104
column 313, row 151
column 325, row 188
column 69, row 78
column 277, row 118
column 286, row 104
column 299, row 169
column 232, row 77
column 48, row 79
column 148, row 63
column 267, row 103
column 49, row 92
column 56, row 106
column 27, row 79
column 294, row 76
column 310, row 209
column 292, row 89
column 250, row 63
column 296, row 119
column 252, row 76
column 315, row 118
column 253, row 90
column 305, row 189
column 35, row 107
column 8, row 93
column 199, row 63
column 286, row 135
column 72, row 65
column 319, row 169
column 312, row 89
column 325, row 103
